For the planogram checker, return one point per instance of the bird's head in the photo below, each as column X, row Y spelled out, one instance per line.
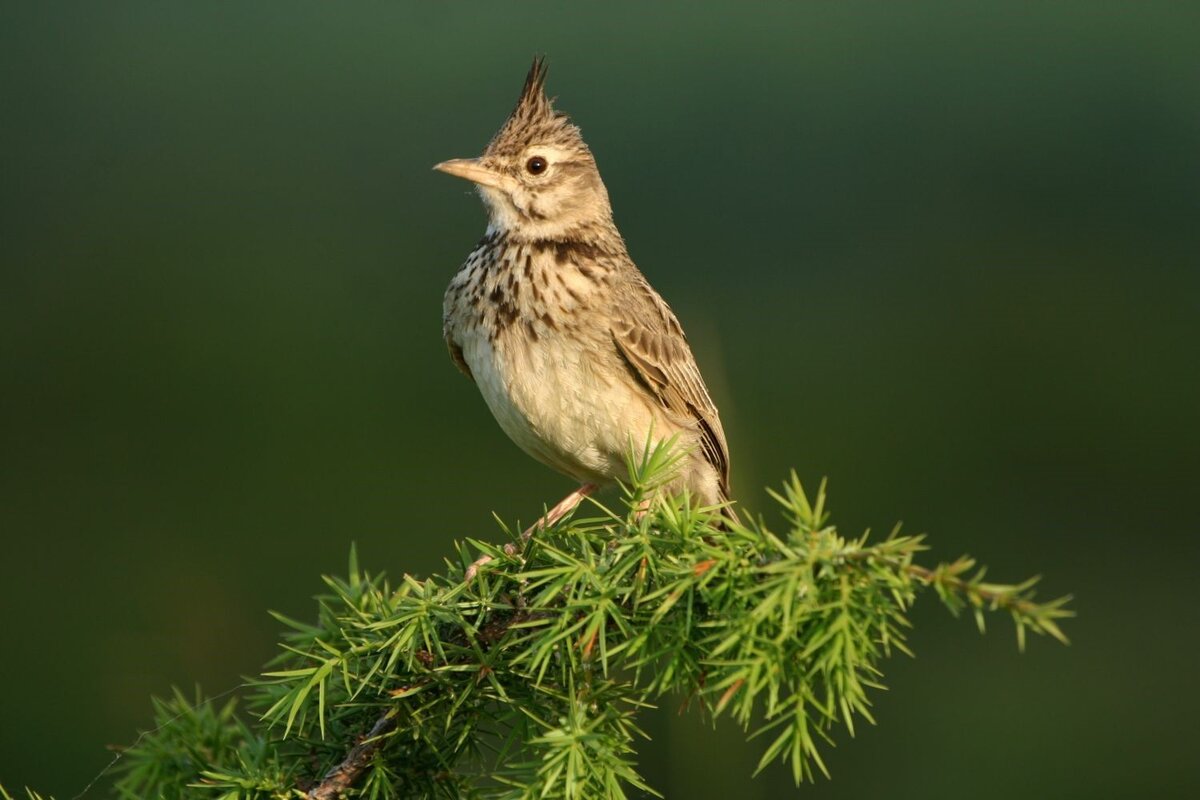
column 537, row 177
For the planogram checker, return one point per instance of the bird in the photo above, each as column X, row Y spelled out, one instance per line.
column 578, row 358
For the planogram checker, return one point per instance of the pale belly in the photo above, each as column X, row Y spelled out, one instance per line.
column 562, row 405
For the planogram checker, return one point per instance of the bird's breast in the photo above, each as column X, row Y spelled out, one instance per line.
column 557, row 398
column 535, row 336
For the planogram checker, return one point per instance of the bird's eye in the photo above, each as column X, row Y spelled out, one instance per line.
column 536, row 165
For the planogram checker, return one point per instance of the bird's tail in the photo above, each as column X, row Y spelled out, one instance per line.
column 729, row 515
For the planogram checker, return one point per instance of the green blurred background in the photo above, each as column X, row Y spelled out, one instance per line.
column 947, row 255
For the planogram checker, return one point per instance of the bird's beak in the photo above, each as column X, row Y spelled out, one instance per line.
column 472, row 170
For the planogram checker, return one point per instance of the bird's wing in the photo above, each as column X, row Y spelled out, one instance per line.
column 651, row 340
column 456, row 355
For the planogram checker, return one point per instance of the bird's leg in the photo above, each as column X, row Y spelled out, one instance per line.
column 560, row 510
column 643, row 508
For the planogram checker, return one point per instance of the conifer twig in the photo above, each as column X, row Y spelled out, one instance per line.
column 1017, row 599
column 347, row 773
column 526, row 679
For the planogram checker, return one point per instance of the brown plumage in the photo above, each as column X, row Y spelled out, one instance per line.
column 577, row 356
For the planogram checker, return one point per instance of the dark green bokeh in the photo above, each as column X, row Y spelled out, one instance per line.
column 946, row 255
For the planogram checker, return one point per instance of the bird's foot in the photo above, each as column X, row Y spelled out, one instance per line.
column 643, row 508
column 564, row 507
column 473, row 570
column 560, row 510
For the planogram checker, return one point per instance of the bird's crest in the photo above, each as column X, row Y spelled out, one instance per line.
column 533, row 93
column 534, row 120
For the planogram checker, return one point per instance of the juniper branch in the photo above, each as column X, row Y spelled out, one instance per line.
column 1016, row 599
column 525, row 680
column 347, row 773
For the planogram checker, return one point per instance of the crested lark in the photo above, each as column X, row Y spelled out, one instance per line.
column 578, row 358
